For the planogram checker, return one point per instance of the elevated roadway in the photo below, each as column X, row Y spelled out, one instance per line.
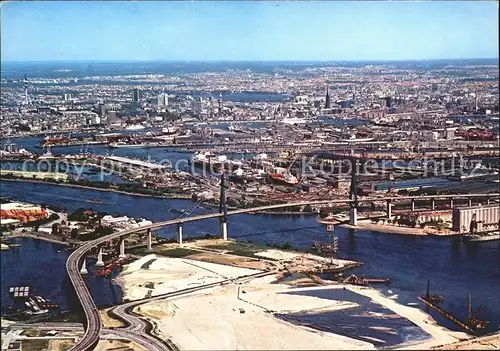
column 93, row 318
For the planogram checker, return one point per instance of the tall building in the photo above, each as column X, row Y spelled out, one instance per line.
column 388, row 101
column 220, row 104
column 197, row 106
column 102, row 110
column 135, row 96
column 327, row 99
column 26, row 101
column 163, row 99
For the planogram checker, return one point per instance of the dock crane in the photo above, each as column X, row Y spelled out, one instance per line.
column 473, row 319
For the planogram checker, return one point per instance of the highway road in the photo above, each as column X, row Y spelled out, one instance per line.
column 93, row 318
column 106, row 333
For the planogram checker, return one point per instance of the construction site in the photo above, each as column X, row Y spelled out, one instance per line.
column 251, row 286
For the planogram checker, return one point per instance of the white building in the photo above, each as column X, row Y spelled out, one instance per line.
column 487, row 217
column 163, row 100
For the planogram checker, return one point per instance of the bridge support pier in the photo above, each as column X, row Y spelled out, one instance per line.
column 100, row 262
column 389, row 209
column 470, row 202
column 179, row 233
column 223, row 225
column 353, row 216
column 149, row 239
column 122, row 250
column 84, row 267
column 452, row 203
column 487, row 201
column 433, row 204
column 412, row 205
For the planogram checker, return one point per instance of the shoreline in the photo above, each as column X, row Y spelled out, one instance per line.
column 176, row 197
column 37, row 237
column 384, row 228
column 262, row 295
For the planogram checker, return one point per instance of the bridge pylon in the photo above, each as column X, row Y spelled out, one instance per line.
column 122, row 249
column 100, row 261
column 223, row 208
column 179, row 232
column 149, row 243
column 84, row 270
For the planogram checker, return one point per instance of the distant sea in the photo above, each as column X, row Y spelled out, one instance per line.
column 69, row 69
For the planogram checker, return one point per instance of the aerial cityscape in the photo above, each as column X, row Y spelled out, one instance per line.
column 250, row 175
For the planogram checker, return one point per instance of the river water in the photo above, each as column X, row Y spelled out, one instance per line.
column 455, row 269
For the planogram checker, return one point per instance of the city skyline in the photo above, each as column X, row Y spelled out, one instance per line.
column 248, row 31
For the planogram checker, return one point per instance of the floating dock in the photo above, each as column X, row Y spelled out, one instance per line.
column 19, row 291
column 447, row 314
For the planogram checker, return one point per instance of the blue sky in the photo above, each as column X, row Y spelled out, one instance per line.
column 366, row 30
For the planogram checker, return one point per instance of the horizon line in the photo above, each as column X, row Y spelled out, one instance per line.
column 245, row 61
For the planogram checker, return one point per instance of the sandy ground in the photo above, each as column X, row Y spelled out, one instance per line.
column 241, row 315
column 395, row 229
column 296, row 256
column 440, row 335
column 232, row 260
column 213, row 319
column 109, row 322
column 490, row 342
column 386, row 228
column 61, row 345
column 117, row 345
column 166, row 274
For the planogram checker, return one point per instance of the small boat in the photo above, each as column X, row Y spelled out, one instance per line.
column 174, row 210
column 125, row 145
column 95, row 201
column 477, row 238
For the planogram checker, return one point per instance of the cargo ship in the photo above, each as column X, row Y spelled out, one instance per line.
column 209, row 161
column 485, row 237
column 55, row 140
column 121, row 144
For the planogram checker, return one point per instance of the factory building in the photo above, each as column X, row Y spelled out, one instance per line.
column 487, row 218
column 22, row 212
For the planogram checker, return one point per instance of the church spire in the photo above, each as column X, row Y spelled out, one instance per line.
column 327, row 102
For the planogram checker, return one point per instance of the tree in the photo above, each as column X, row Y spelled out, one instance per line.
column 56, row 229
column 74, row 233
column 307, row 208
column 79, row 216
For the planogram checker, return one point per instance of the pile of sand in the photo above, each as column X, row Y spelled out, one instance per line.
column 166, row 274
column 214, row 321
